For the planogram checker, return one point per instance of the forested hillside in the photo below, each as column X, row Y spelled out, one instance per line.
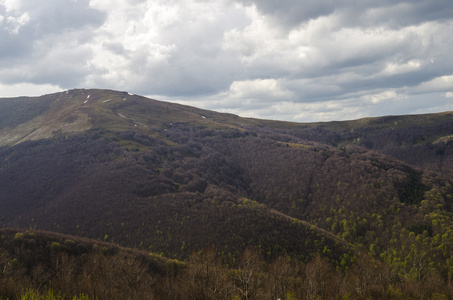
column 175, row 180
column 49, row 266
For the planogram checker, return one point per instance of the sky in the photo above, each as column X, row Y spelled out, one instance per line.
column 293, row 60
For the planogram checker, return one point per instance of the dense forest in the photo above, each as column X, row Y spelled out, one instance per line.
column 359, row 209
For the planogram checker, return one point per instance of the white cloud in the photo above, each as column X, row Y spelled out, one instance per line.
column 166, row 47
column 382, row 96
column 27, row 89
column 260, row 90
column 13, row 24
column 10, row 5
column 438, row 84
column 395, row 68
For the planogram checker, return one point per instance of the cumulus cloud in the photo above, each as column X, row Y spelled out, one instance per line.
column 291, row 60
column 168, row 48
column 47, row 41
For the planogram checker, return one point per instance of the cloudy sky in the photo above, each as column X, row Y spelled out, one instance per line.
column 295, row 60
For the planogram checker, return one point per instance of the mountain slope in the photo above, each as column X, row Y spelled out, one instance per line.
column 151, row 199
column 175, row 179
column 79, row 110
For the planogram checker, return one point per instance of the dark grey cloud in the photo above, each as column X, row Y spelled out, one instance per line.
column 57, row 16
column 392, row 13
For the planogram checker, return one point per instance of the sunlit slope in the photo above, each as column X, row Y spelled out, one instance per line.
column 33, row 118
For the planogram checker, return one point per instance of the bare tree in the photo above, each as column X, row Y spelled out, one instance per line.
column 248, row 277
column 207, row 278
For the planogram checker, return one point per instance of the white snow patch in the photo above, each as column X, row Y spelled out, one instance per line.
column 203, row 117
column 121, row 115
column 108, row 100
column 130, row 94
column 88, row 97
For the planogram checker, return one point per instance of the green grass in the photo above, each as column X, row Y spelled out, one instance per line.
column 50, row 294
column 444, row 139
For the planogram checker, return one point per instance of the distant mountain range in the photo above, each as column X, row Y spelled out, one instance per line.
column 174, row 179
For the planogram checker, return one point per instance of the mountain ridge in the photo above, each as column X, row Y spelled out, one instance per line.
column 174, row 179
column 87, row 107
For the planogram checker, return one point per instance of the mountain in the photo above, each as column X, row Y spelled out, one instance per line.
column 175, row 180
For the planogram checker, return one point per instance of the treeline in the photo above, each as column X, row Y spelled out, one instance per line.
column 53, row 266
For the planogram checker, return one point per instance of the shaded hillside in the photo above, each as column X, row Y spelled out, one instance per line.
column 174, row 180
column 171, row 199
column 72, row 265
